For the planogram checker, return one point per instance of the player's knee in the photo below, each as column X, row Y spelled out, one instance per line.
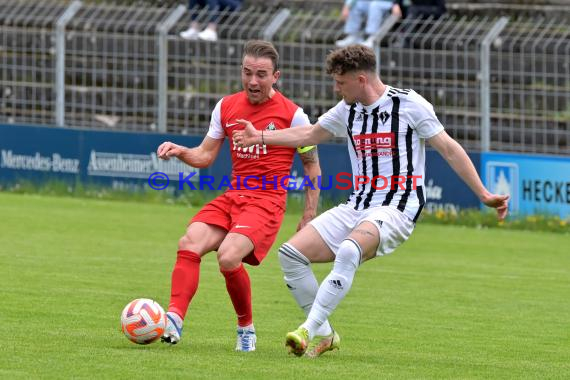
column 184, row 242
column 228, row 258
column 291, row 259
column 187, row 243
column 349, row 255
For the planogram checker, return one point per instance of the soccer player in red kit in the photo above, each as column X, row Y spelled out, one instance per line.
column 242, row 224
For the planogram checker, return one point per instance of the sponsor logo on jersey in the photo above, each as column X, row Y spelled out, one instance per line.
column 254, row 151
column 375, row 144
column 336, row 284
column 374, row 141
column 251, row 152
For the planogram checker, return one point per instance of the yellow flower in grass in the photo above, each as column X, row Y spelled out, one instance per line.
column 563, row 223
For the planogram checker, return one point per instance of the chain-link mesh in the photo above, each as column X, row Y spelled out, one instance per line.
column 200, row 72
column 530, row 94
column 112, row 68
column 439, row 58
column 27, row 61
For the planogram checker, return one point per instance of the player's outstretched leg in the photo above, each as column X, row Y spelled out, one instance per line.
column 332, row 290
column 335, row 286
column 185, row 278
column 301, row 281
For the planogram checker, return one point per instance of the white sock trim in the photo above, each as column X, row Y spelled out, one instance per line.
column 293, row 253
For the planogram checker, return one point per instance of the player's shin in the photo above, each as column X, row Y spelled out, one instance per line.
column 300, row 280
column 238, row 286
column 335, row 286
column 185, row 278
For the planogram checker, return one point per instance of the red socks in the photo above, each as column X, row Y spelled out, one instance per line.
column 239, row 289
column 185, row 277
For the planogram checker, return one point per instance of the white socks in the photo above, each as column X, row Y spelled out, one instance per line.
column 335, row 286
column 301, row 281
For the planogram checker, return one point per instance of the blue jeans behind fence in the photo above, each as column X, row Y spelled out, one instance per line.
column 374, row 12
column 214, row 7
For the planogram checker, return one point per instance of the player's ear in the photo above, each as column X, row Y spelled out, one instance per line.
column 276, row 75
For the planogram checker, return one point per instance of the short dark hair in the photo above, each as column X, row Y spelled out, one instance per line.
column 262, row 49
column 351, row 58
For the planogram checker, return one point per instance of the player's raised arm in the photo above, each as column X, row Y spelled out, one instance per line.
column 199, row 157
column 460, row 162
column 293, row 137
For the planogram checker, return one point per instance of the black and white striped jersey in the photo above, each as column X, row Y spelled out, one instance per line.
column 386, row 143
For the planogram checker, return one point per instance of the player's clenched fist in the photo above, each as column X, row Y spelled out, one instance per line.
column 168, row 149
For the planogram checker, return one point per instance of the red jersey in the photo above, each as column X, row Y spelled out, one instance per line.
column 258, row 171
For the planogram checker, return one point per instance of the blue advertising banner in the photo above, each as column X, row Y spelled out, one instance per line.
column 125, row 160
column 445, row 190
column 41, row 154
column 536, row 184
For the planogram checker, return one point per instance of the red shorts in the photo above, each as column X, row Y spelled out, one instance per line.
column 258, row 219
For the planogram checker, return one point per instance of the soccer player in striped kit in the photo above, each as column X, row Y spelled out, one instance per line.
column 386, row 129
column 241, row 224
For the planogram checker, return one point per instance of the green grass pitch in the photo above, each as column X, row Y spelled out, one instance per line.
column 451, row 303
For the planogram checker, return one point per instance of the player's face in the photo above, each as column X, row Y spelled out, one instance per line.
column 258, row 78
column 349, row 85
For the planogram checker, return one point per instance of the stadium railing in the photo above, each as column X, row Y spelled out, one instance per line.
column 497, row 83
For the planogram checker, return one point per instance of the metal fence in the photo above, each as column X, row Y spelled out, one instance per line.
column 496, row 83
column 27, row 61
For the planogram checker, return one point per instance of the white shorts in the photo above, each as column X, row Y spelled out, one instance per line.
column 337, row 223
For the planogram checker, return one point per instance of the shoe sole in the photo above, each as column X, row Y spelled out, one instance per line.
column 314, row 354
column 295, row 345
column 333, row 344
column 168, row 340
column 245, row 350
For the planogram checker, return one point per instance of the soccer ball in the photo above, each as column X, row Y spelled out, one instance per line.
column 143, row 321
